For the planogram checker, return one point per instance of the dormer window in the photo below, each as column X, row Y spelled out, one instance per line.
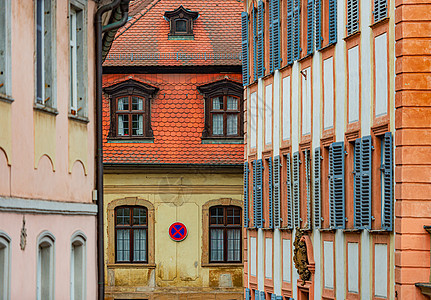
column 181, row 22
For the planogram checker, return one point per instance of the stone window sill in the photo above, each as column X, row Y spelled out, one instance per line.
column 131, row 266
column 6, row 98
column 79, row 119
column 45, row 109
column 223, row 140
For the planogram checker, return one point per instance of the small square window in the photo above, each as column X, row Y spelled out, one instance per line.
column 181, row 21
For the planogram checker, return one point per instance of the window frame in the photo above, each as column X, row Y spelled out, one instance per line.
column 130, row 88
column 46, row 240
column 132, row 228
column 5, row 245
column 181, row 14
column 223, row 88
column 225, row 228
column 78, row 240
column 5, row 48
column 225, row 112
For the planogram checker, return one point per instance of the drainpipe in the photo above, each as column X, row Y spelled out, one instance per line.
column 99, row 138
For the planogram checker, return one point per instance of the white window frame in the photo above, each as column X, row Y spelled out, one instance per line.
column 48, row 56
column 45, row 240
column 5, row 50
column 5, row 265
column 78, row 240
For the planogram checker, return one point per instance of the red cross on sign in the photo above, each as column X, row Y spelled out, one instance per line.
column 178, row 231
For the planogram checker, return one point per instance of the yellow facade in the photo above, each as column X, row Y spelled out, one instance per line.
column 175, row 270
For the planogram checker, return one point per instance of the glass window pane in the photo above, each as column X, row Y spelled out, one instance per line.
column 218, row 103
column 123, row 245
column 217, row 217
column 123, row 216
column 137, row 103
column 137, row 125
column 232, row 103
column 140, row 245
column 232, row 124
column 180, row 26
column 123, row 103
column 139, row 216
column 216, row 240
column 123, row 124
column 233, row 244
column 218, row 124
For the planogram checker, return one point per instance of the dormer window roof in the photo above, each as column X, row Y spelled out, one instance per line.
column 181, row 22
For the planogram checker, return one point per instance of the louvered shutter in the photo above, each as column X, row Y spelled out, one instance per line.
column 246, row 172
column 308, row 187
column 244, row 42
column 271, row 66
column 357, row 206
column 296, row 207
column 279, row 298
column 290, row 32
column 318, row 23
column 256, row 295
column 366, row 148
column 387, row 182
column 247, row 295
column 262, row 295
column 258, row 216
column 276, row 34
column 289, row 192
column 297, row 30
column 270, row 195
column 317, row 188
column 310, row 34
column 332, row 21
column 337, row 196
column 260, row 41
column 273, row 297
column 254, row 193
column 380, row 10
column 254, row 44
column 276, row 194
column 352, row 16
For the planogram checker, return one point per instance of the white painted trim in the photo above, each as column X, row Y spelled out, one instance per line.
column 19, row 205
column 5, row 240
column 78, row 238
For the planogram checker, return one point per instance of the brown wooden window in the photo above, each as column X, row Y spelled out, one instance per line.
column 225, row 234
column 131, row 234
column 181, row 21
column 130, row 103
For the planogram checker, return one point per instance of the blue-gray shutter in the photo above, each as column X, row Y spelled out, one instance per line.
column 297, row 30
column 270, row 195
column 254, row 163
column 308, row 187
column 276, row 59
column 366, row 148
column 387, row 169
column 260, row 39
column 276, row 182
column 310, row 34
column 357, row 205
column 256, row 295
column 289, row 192
column 279, row 298
column 352, row 16
column 332, row 21
column 259, row 202
column 290, row 32
column 244, row 43
column 262, row 295
column 246, row 172
column 337, row 195
column 317, row 188
column 296, row 203
column 273, row 297
column 318, row 23
column 254, row 44
column 247, row 295
column 271, row 69
column 380, row 10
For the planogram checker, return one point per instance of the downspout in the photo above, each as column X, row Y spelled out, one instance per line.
column 99, row 136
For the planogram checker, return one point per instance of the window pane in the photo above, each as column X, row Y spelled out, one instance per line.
column 123, row 242
column 218, row 103
column 233, row 216
column 123, row 125
column 137, row 103
column 123, row 103
column 123, row 216
column 216, row 239
column 232, row 103
column 232, row 124
column 233, row 244
column 139, row 216
column 218, row 124
column 217, row 217
column 137, row 125
column 180, row 26
column 140, row 245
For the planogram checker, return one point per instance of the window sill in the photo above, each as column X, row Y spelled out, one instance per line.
column 144, row 140
column 352, row 230
column 379, row 22
column 185, row 37
column 222, row 265
column 45, row 109
column 327, row 230
column 222, row 140
column 6, row 98
column 131, row 266
column 330, row 45
column 79, row 119
column 352, row 35
column 380, row 231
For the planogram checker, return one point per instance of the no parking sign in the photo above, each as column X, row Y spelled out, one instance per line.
column 178, row 231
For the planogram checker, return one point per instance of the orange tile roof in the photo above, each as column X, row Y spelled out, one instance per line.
column 177, row 118
column 143, row 41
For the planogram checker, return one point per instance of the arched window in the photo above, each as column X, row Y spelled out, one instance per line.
column 225, row 234
column 78, row 266
column 45, row 266
column 131, row 234
column 4, row 266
